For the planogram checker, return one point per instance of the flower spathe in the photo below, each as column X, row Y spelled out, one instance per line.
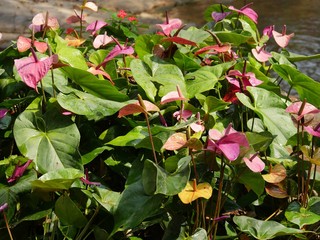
column 282, row 39
column 19, row 171
column 247, row 11
column 227, row 143
column 172, row 24
column 33, row 70
column 254, row 163
column 173, row 96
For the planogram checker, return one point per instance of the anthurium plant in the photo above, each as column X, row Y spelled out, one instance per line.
column 109, row 131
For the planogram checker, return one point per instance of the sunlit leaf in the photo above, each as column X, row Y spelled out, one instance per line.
column 192, row 191
column 175, row 141
column 276, row 174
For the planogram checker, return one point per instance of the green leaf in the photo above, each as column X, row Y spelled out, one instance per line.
column 99, row 88
column 144, row 44
column 271, row 110
column 81, row 103
column 194, row 34
column 156, row 180
column 107, row 198
column 200, row 81
column 213, row 104
column 68, row 212
column 142, row 76
column 199, row 234
column 56, row 180
column 263, row 229
column 70, row 55
column 259, row 141
column 185, row 63
column 301, row 216
column 51, row 140
column 252, row 181
column 297, row 57
column 306, row 87
column 134, row 204
column 233, row 37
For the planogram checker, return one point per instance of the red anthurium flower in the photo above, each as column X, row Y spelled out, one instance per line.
column 173, row 96
column 261, row 54
column 313, row 131
column 95, row 71
column 238, row 83
column 170, row 25
column 95, row 26
column 184, row 115
column 3, row 112
column 18, row 171
column 215, row 49
column 86, row 180
column 102, row 40
column 254, row 163
column 24, row 44
column 33, row 70
column 227, row 143
column 301, row 109
column 282, row 39
column 246, row 10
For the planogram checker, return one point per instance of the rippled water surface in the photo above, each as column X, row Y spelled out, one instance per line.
column 301, row 17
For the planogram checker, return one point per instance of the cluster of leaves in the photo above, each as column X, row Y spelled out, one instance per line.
column 107, row 133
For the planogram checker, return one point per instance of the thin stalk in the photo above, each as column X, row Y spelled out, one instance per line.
column 52, row 75
column 7, row 225
column 85, row 229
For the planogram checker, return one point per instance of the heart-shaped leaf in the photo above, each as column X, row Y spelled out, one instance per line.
column 192, row 191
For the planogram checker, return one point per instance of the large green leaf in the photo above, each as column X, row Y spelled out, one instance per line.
column 271, row 109
column 263, row 229
column 306, row 87
column 134, row 204
column 145, row 43
column 100, row 88
column 68, row 212
column 51, row 140
column 252, row 181
column 81, row 103
column 157, row 180
column 56, row 180
column 107, row 198
column 300, row 215
column 234, row 37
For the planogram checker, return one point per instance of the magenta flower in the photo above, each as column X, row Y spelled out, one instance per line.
column 227, row 143
column 218, row 16
column 33, row 70
column 247, row 11
column 3, row 112
column 18, row 171
column 261, row 54
column 170, row 25
column 267, row 31
column 239, row 83
column 313, row 131
column 282, row 39
column 3, row 207
column 254, row 163
column 86, row 180
column 95, row 26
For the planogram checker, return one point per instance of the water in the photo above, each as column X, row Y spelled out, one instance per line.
column 301, row 17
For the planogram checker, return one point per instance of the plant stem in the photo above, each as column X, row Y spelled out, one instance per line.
column 84, row 230
column 7, row 225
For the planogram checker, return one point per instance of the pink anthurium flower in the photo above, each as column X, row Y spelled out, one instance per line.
column 218, row 16
column 117, row 50
column 183, row 115
column 18, row 171
column 3, row 112
column 33, row 70
column 282, row 39
column 254, row 163
column 102, row 40
column 227, row 143
column 138, row 108
column 261, row 54
column 247, row 11
column 95, row 26
column 313, row 131
column 171, row 24
column 301, row 109
column 41, row 21
column 198, row 125
column 173, row 96
column 24, row 44
column 267, row 31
